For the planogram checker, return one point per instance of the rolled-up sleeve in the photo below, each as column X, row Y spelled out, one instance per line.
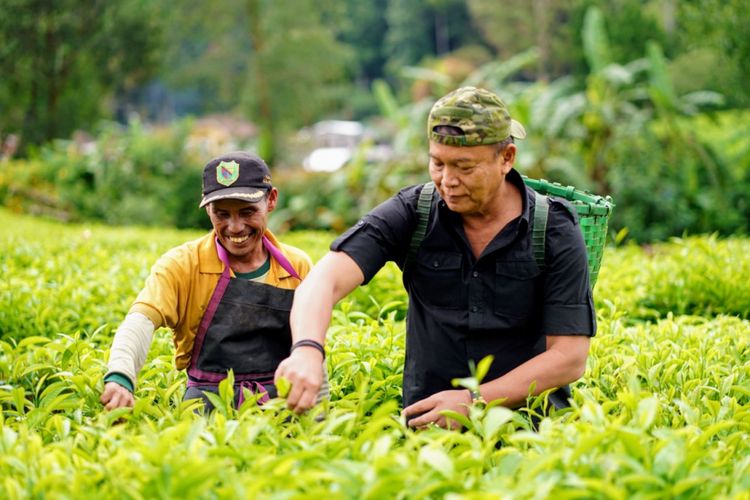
column 382, row 235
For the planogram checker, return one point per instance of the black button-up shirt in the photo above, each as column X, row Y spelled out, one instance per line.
column 462, row 308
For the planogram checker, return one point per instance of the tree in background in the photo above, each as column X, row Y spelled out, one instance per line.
column 204, row 64
column 209, row 50
column 61, row 59
column 714, row 42
column 707, row 41
column 624, row 110
column 419, row 29
column 520, row 25
column 278, row 63
column 631, row 25
column 409, row 35
column 297, row 66
column 363, row 28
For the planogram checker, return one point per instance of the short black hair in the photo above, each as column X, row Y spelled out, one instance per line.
column 503, row 144
column 451, row 130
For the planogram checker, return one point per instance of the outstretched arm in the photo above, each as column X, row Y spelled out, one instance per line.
column 563, row 362
column 329, row 281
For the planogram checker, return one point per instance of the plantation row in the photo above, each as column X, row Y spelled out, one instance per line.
column 663, row 410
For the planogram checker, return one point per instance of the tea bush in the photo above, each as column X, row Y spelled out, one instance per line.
column 699, row 276
column 663, row 410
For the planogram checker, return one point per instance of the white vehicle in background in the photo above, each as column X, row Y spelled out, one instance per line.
column 336, row 142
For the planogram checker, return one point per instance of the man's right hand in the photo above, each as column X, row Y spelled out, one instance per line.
column 116, row 396
column 304, row 371
column 334, row 276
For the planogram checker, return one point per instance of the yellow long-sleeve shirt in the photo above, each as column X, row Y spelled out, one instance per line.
column 181, row 282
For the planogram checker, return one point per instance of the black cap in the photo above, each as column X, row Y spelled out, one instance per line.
column 238, row 176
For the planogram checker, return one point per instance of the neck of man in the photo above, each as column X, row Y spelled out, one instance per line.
column 481, row 227
column 249, row 262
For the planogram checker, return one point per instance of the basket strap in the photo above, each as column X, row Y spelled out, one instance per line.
column 424, row 207
column 539, row 231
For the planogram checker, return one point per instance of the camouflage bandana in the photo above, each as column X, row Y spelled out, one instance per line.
column 478, row 113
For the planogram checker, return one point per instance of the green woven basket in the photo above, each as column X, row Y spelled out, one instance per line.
column 593, row 215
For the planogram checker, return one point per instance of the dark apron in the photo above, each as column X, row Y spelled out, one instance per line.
column 246, row 329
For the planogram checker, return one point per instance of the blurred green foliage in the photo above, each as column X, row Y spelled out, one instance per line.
column 641, row 100
column 285, row 64
column 334, row 201
column 135, row 175
column 626, row 130
column 669, row 175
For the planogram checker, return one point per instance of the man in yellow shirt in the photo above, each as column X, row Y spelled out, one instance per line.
column 226, row 296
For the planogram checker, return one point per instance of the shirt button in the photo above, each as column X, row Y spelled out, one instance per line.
column 436, row 264
column 475, row 274
column 474, row 309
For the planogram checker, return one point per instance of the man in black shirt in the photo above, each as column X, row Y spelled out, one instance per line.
column 474, row 285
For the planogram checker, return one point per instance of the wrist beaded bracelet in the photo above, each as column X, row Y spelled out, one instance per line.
column 309, row 343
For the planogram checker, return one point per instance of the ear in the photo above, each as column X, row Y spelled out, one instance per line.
column 508, row 158
column 273, row 197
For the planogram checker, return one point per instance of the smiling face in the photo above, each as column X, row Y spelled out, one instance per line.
column 469, row 178
column 240, row 225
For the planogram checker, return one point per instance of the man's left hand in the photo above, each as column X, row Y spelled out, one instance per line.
column 429, row 409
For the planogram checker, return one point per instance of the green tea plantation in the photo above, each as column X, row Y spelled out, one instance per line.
column 663, row 410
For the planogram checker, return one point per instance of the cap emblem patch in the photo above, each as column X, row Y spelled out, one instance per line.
column 227, row 172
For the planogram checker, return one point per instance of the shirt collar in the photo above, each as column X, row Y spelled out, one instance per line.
column 211, row 264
